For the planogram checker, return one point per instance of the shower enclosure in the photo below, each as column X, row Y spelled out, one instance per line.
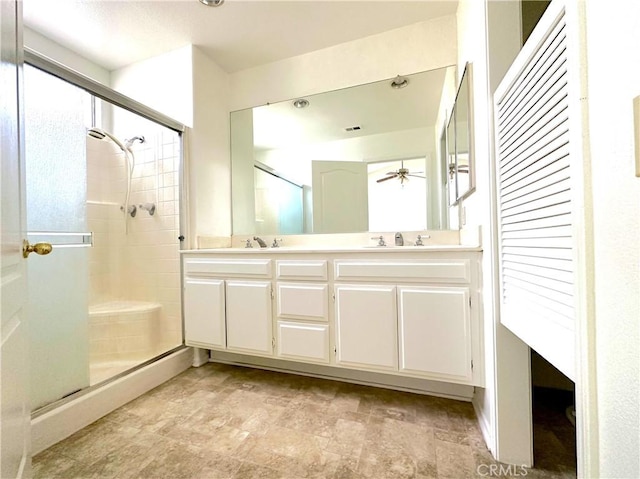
column 103, row 189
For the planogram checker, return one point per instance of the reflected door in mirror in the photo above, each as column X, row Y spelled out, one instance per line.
column 340, row 196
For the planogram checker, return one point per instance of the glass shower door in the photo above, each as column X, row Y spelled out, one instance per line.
column 56, row 114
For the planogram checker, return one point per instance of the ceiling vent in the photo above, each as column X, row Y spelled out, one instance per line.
column 353, row 128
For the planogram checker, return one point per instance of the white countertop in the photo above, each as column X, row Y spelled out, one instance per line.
column 336, row 249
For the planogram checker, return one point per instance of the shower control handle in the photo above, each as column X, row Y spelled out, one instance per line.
column 38, row 248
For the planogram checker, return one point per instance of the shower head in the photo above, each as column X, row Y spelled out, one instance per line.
column 101, row 134
column 96, row 133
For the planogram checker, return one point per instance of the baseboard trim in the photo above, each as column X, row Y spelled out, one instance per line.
column 61, row 422
column 485, row 427
column 459, row 392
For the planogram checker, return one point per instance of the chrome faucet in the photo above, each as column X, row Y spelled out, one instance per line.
column 260, row 241
column 380, row 240
column 419, row 240
column 248, row 245
column 399, row 239
column 275, row 243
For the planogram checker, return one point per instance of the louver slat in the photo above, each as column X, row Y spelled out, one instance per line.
column 526, row 156
column 551, row 232
column 535, row 197
column 563, row 254
column 542, row 182
column 537, row 103
column 559, row 220
column 550, row 263
column 533, row 69
column 541, row 271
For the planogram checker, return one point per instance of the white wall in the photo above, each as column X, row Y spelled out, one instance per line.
column 210, row 167
column 57, row 52
column 415, row 48
column 188, row 86
column 489, row 39
column 613, row 42
column 163, row 83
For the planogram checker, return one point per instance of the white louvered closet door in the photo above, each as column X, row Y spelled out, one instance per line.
column 535, row 197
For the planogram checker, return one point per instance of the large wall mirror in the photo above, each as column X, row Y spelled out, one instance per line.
column 359, row 159
column 459, row 152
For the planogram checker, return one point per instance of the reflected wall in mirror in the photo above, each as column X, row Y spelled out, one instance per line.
column 359, row 159
column 450, row 155
column 460, row 162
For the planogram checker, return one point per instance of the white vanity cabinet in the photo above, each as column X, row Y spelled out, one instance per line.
column 228, row 304
column 410, row 316
column 402, row 315
column 302, row 309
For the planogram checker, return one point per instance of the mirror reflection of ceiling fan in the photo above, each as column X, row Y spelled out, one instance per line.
column 402, row 174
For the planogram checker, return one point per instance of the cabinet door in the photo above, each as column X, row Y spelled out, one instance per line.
column 249, row 327
column 304, row 341
column 366, row 334
column 435, row 332
column 204, row 312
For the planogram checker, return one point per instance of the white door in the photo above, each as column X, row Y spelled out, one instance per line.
column 249, row 326
column 340, row 196
column 204, row 312
column 435, row 332
column 366, row 329
column 14, row 370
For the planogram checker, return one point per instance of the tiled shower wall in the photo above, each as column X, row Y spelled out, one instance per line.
column 141, row 262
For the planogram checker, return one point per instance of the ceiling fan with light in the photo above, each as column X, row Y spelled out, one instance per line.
column 402, row 174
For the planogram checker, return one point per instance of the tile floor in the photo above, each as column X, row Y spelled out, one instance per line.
column 221, row 421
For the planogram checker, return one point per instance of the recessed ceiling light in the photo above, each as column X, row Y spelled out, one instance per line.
column 301, row 103
column 399, row 82
column 212, row 3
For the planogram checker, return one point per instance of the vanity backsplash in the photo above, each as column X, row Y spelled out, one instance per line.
column 468, row 237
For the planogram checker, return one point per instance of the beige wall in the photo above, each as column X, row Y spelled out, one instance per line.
column 613, row 42
column 415, row 48
column 210, row 164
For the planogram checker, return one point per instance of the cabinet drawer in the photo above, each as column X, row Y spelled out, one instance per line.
column 433, row 271
column 303, row 300
column 305, row 341
column 250, row 268
column 299, row 269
